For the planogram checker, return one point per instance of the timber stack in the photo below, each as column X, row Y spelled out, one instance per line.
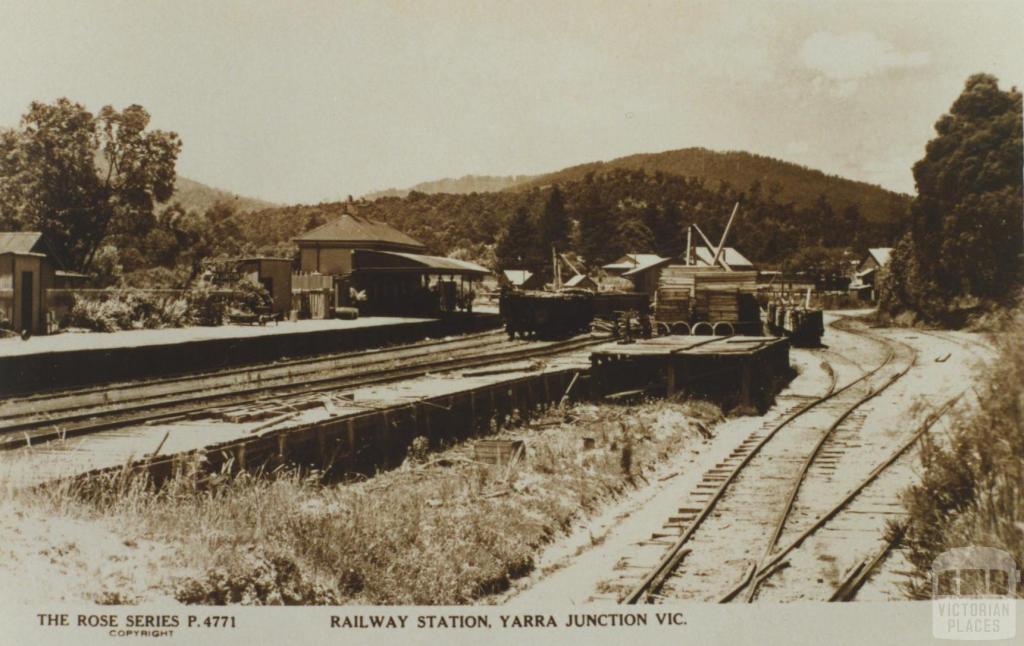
column 692, row 294
column 716, row 287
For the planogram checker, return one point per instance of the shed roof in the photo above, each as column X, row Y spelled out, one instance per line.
column 881, row 255
column 732, row 257
column 28, row 242
column 356, row 229
column 19, row 241
column 650, row 263
column 517, row 276
column 632, row 261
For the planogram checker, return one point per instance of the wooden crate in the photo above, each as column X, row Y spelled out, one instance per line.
column 498, row 451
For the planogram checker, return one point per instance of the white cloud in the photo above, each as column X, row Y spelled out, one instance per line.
column 847, row 58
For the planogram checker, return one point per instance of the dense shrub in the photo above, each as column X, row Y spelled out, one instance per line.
column 129, row 309
column 206, row 305
column 105, row 315
column 972, row 486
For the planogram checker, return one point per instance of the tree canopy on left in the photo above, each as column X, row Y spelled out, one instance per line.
column 81, row 178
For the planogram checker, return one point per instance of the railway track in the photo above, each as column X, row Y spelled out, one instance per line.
column 76, row 413
column 876, row 539
column 758, row 496
column 840, row 445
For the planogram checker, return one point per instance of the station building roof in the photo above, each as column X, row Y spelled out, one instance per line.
column 356, row 231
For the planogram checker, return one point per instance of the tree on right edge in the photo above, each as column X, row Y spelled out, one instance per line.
column 964, row 243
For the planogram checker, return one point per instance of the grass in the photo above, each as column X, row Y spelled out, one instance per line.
column 443, row 529
column 972, row 486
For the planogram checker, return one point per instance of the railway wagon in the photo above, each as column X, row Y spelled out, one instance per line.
column 546, row 315
column 549, row 315
column 804, row 326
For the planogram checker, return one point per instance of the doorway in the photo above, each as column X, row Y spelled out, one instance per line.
column 27, row 293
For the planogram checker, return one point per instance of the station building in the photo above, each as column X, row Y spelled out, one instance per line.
column 384, row 272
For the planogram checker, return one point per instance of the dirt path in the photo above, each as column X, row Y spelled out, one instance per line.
column 606, row 556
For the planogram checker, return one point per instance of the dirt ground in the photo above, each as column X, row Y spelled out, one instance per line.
column 583, row 566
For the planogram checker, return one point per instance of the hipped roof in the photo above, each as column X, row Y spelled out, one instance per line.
column 356, row 229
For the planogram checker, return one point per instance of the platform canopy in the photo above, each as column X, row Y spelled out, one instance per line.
column 400, row 262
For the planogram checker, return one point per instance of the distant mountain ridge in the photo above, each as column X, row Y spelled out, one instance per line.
column 785, row 208
column 457, row 186
column 197, row 196
column 798, row 184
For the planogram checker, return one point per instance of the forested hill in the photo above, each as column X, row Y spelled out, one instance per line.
column 613, row 210
column 797, row 184
column 461, row 185
column 193, row 195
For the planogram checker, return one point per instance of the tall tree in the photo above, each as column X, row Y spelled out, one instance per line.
column 968, row 210
column 965, row 236
column 822, row 223
column 518, row 247
column 598, row 233
column 80, row 178
column 847, row 230
column 668, row 235
column 554, row 223
column 633, row 234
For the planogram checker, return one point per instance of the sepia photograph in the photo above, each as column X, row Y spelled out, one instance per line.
column 463, row 321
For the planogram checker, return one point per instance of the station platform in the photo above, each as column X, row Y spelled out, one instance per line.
column 68, row 360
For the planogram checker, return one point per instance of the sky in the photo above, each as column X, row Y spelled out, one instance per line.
column 309, row 101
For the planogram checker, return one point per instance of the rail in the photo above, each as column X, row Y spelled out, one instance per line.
column 646, row 588
column 140, row 414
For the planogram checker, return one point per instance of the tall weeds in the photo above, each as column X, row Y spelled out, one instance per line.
column 447, row 531
column 972, row 487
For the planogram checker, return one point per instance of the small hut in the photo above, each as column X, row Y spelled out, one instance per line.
column 27, row 269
